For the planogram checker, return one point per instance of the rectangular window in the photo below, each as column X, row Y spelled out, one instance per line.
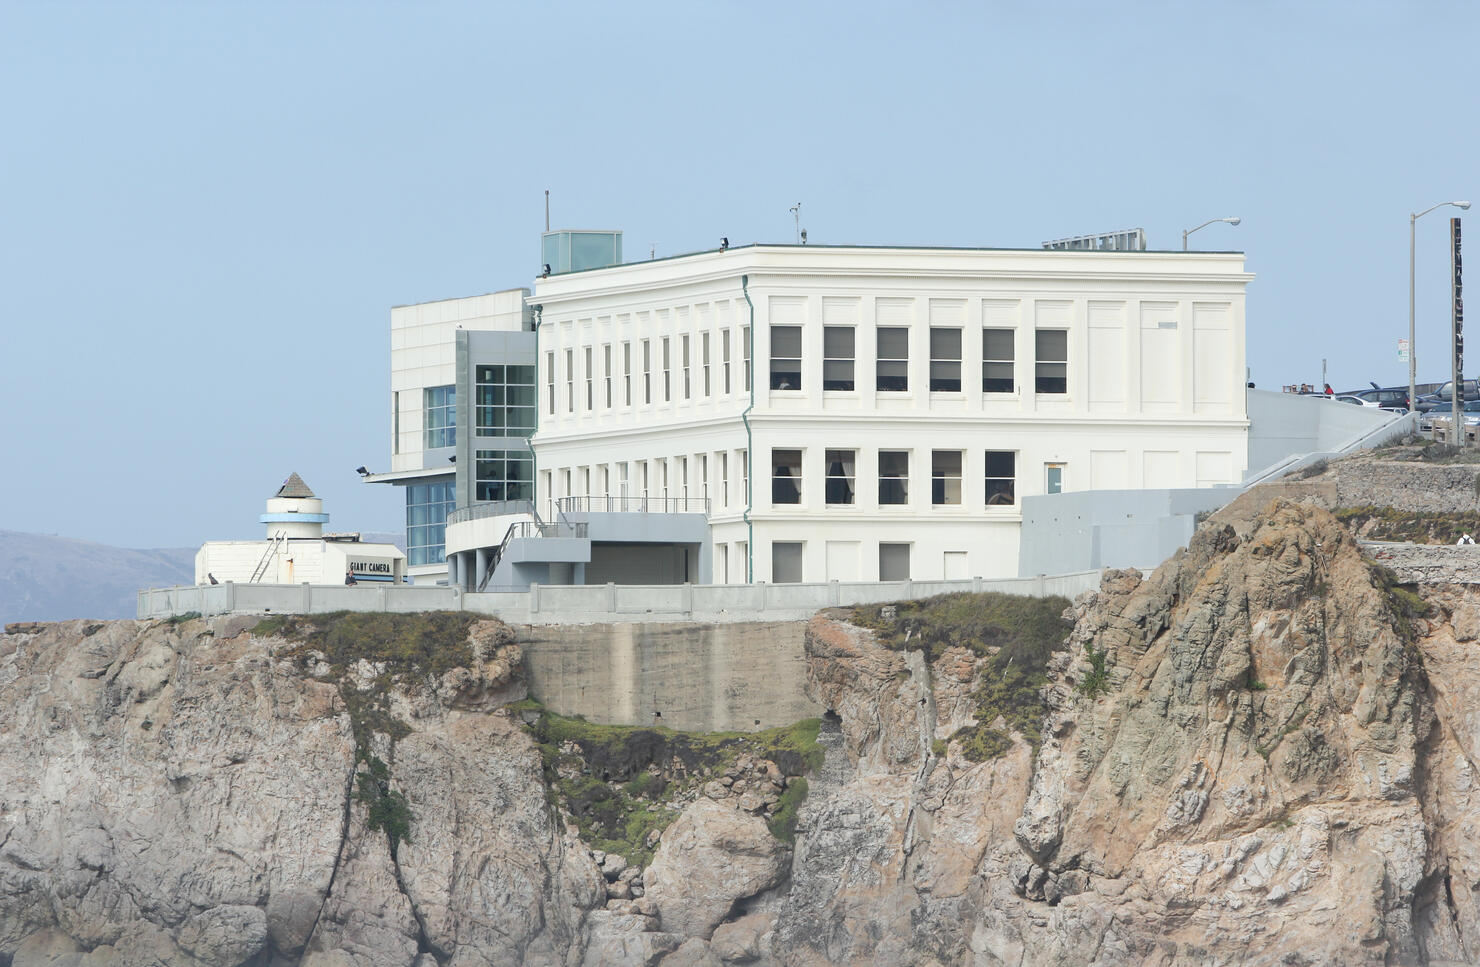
column 894, row 562
column 570, row 381
column 786, row 476
column 841, row 476
column 647, row 371
column 667, row 371
column 894, row 476
column 1051, row 361
column 427, row 507
column 1001, row 477
column 704, row 476
column 724, row 479
column 745, row 475
column 786, row 562
column 504, row 474
column 997, row 360
column 786, row 357
column 683, row 477
column 626, row 374
column 504, row 401
column 837, row 357
column 945, row 360
column 724, row 355
column 441, row 410
column 590, row 391
column 622, row 480
column 893, row 370
column 606, row 373
column 1053, row 478
column 945, row 477
column 704, row 360
column 745, row 351
column 550, row 382
column 683, row 353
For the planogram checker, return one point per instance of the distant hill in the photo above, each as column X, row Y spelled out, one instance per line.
column 46, row 578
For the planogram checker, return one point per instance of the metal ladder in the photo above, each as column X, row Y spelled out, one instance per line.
column 278, row 540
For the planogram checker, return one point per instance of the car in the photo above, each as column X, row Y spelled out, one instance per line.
column 1356, row 400
column 1444, row 397
column 1387, row 397
column 1470, row 413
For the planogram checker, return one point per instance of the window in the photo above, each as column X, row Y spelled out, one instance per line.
column 427, row 507
column 684, row 360
column 504, row 475
column 945, row 360
column 894, row 359
column 945, row 477
column 504, row 401
column 704, row 360
column 724, row 355
column 894, row 476
column 1053, row 478
column 704, row 476
column 837, row 357
column 590, row 391
column 997, row 360
column 786, row 357
column 786, row 476
column 1001, row 477
column 550, row 381
column 1051, row 361
column 441, row 410
column 622, row 479
column 683, row 477
column 626, row 374
column 647, row 371
column 745, row 350
column 786, row 562
column 840, row 476
column 570, row 380
column 667, row 371
column 745, row 474
column 894, row 562
column 724, row 479
column 606, row 373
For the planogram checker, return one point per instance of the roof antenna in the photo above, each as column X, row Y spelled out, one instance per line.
column 796, row 214
column 547, row 209
column 653, row 251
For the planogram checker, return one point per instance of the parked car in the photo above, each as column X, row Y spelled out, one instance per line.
column 1470, row 413
column 1387, row 397
column 1445, row 396
column 1355, row 400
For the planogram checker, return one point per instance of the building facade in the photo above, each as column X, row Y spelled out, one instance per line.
column 841, row 413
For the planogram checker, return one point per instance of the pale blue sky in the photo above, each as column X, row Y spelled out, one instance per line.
column 207, row 209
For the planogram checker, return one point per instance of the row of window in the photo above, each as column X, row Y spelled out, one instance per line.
column 894, row 561
column 840, row 484
column 645, row 371
column 427, row 507
column 892, row 359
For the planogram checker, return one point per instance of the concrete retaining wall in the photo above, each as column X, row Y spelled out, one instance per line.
column 1428, row 563
column 1408, row 485
column 704, row 677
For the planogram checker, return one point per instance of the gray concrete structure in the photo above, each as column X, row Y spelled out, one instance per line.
column 705, row 677
column 1284, row 425
column 1112, row 528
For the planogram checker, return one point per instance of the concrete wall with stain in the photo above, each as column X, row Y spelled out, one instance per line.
column 700, row 677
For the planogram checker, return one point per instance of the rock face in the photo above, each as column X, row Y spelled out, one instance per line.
column 1277, row 767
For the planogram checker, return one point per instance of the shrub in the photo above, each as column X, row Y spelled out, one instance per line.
column 1097, row 681
column 783, row 822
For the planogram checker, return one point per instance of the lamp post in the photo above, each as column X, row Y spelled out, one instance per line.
column 1232, row 221
column 1412, row 349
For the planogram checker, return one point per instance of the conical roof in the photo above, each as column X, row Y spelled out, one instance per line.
column 294, row 487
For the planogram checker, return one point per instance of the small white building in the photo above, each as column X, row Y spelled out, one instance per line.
column 296, row 550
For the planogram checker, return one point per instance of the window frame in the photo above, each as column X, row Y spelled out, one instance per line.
column 945, row 364
column 1010, row 361
column 831, row 362
column 844, row 485
column 490, row 460
column 888, row 483
column 881, row 360
column 439, row 406
column 994, row 481
column 940, row 479
column 780, row 375
column 786, row 490
column 1040, row 363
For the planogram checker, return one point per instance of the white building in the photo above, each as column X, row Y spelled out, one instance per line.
column 827, row 413
column 296, row 549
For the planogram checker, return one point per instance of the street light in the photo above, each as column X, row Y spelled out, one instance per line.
column 1412, row 349
column 1231, row 221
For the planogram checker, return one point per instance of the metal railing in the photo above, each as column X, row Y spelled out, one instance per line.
column 531, row 528
column 492, row 508
column 632, row 505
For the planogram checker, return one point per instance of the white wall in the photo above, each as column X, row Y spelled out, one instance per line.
column 1154, row 397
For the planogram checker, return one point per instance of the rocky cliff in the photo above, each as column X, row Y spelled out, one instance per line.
column 1263, row 753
